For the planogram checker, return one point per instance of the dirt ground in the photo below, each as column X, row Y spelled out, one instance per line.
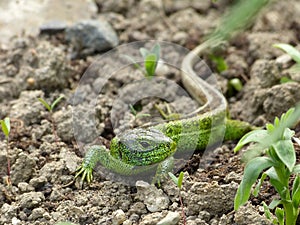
column 45, row 149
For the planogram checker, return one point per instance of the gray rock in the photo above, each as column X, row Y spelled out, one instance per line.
column 247, row 214
column 152, row 219
column 92, row 36
column 23, row 168
column 38, row 182
column 203, row 196
column 64, row 123
column 37, row 213
column 118, row 217
column 30, row 200
column 154, row 198
column 7, row 213
column 27, row 107
column 53, row 27
column 265, row 73
column 25, row 187
column 52, row 71
column 172, row 218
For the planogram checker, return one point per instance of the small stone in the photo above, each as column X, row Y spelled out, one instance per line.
column 118, row 217
column 38, row 182
column 31, row 200
column 53, row 27
column 25, row 187
column 92, row 35
column 154, row 198
column 152, row 219
column 37, row 213
column 15, row 221
column 172, row 218
column 23, row 168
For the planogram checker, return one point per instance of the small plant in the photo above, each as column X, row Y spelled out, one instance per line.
column 5, row 126
column 50, row 109
column 293, row 52
column 151, row 58
column 136, row 113
column 274, row 152
column 178, row 182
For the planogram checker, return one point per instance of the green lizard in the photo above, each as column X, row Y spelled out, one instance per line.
column 139, row 150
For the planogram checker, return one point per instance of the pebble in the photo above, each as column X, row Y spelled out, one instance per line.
column 23, row 168
column 154, row 198
column 92, row 35
column 53, row 27
column 31, row 199
column 118, row 217
column 172, row 218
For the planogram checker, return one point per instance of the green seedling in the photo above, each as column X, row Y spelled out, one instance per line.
column 236, row 84
column 178, row 182
column 150, row 58
column 136, row 114
column 293, row 52
column 220, row 62
column 50, row 108
column 274, row 153
column 5, row 126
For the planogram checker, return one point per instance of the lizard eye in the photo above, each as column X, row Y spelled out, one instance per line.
column 145, row 144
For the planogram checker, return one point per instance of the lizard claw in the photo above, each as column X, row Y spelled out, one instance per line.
column 86, row 173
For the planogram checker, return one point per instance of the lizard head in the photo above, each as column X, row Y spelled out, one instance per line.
column 142, row 147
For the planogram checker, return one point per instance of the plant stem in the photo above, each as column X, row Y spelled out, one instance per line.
column 182, row 209
column 8, row 162
column 53, row 127
column 290, row 217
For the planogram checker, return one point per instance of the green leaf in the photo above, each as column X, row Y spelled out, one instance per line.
column 150, row 64
column 257, row 187
column 296, row 169
column 252, row 136
column 174, row 178
column 275, row 181
column 56, row 102
column 5, row 125
column 295, row 68
column 296, row 192
column 156, row 51
column 236, row 84
column 180, row 179
column 220, row 63
column 292, row 51
column 136, row 65
column 286, row 153
column 267, row 211
column 274, row 203
column 47, row 106
column 270, row 127
column 288, row 134
column 144, row 52
column 280, row 215
column 251, row 173
column 285, row 79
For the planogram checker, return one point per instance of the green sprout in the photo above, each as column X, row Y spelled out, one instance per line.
column 220, row 62
column 5, row 126
column 136, row 113
column 293, row 52
column 274, row 153
column 178, row 182
column 50, row 109
column 150, row 57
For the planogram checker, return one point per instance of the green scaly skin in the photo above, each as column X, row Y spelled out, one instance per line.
column 139, row 150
